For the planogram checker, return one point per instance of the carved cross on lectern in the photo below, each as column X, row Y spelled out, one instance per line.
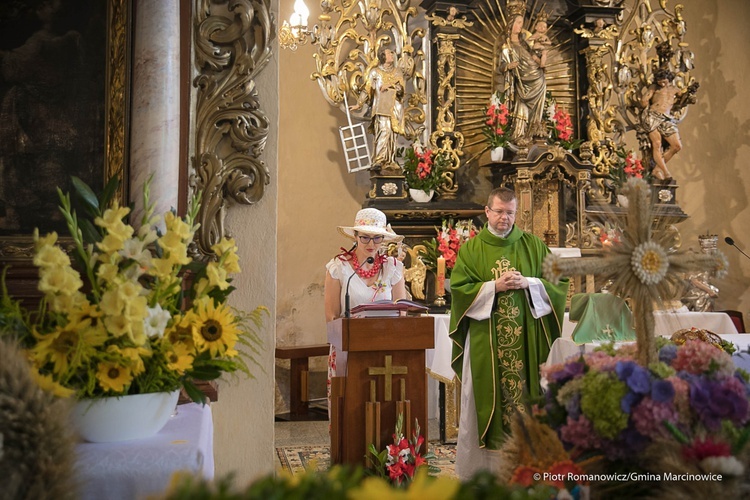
column 388, row 371
column 641, row 266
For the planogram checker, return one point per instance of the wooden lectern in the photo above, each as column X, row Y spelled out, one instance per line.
column 381, row 372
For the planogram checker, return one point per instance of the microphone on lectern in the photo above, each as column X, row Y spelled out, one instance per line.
column 730, row 241
column 347, row 312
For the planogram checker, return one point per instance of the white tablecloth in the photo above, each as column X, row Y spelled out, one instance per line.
column 564, row 347
column 668, row 322
column 131, row 470
column 438, row 360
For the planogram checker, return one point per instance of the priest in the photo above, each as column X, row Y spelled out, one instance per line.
column 504, row 318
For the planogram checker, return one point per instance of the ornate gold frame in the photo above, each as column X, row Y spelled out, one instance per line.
column 116, row 109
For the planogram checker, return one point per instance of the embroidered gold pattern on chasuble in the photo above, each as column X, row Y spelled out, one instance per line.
column 509, row 344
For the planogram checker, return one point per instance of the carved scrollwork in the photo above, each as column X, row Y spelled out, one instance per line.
column 232, row 45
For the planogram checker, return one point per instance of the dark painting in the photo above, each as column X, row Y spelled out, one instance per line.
column 53, row 73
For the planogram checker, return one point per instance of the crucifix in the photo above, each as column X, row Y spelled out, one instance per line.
column 388, row 371
column 642, row 266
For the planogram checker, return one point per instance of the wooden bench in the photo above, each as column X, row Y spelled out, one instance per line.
column 298, row 375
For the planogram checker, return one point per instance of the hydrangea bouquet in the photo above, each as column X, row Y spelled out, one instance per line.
column 693, row 400
column 134, row 313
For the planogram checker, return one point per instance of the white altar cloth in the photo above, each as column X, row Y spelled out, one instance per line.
column 666, row 324
column 438, row 360
column 130, row 470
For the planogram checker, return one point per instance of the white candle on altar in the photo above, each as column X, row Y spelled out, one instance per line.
column 440, row 289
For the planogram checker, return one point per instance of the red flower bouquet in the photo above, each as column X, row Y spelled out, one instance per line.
column 449, row 239
column 496, row 124
column 399, row 461
column 423, row 168
column 560, row 125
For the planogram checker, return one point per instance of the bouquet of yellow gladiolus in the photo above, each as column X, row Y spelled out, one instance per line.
column 123, row 319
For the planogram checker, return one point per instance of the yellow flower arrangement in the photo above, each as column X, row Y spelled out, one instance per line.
column 135, row 314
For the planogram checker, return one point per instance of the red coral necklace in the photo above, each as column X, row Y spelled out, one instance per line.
column 369, row 273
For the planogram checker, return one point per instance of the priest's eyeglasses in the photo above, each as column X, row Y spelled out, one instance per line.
column 499, row 212
column 366, row 239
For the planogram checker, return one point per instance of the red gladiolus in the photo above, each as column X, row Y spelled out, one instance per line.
column 633, row 167
column 395, row 471
column 563, row 124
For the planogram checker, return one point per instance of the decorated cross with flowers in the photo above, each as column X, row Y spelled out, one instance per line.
column 640, row 265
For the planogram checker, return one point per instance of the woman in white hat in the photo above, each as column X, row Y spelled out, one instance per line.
column 378, row 277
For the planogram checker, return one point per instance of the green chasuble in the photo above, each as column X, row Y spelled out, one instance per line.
column 506, row 349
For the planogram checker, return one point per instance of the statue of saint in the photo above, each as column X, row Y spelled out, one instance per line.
column 522, row 62
column 384, row 90
column 657, row 122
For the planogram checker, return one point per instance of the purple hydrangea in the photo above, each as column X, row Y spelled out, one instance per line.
column 631, row 399
column 634, row 375
column 569, row 371
column 717, row 401
column 662, row 391
column 573, row 406
column 668, row 353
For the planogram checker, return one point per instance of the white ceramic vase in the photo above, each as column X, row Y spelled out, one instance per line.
column 496, row 154
column 447, row 285
column 420, row 196
column 136, row 416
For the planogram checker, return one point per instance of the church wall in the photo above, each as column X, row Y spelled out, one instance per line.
column 712, row 169
column 316, row 193
column 244, row 414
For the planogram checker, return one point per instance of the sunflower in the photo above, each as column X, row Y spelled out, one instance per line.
column 47, row 383
column 183, row 330
column 68, row 345
column 113, row 377
column 215, row 330
column 179, row 358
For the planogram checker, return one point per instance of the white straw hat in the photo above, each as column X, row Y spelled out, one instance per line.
column 370, row 221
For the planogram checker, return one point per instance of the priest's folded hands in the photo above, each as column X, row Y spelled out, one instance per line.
column 510, row 280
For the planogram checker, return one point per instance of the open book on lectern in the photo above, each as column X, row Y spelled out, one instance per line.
column 385, row 308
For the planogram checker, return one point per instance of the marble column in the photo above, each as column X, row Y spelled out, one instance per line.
column 155, row 116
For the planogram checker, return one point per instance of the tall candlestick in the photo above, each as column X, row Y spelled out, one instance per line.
column 440, row 291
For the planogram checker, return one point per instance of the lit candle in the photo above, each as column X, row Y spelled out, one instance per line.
column 440, row 276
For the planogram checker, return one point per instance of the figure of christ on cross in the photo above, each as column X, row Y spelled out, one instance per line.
column 656, row 119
